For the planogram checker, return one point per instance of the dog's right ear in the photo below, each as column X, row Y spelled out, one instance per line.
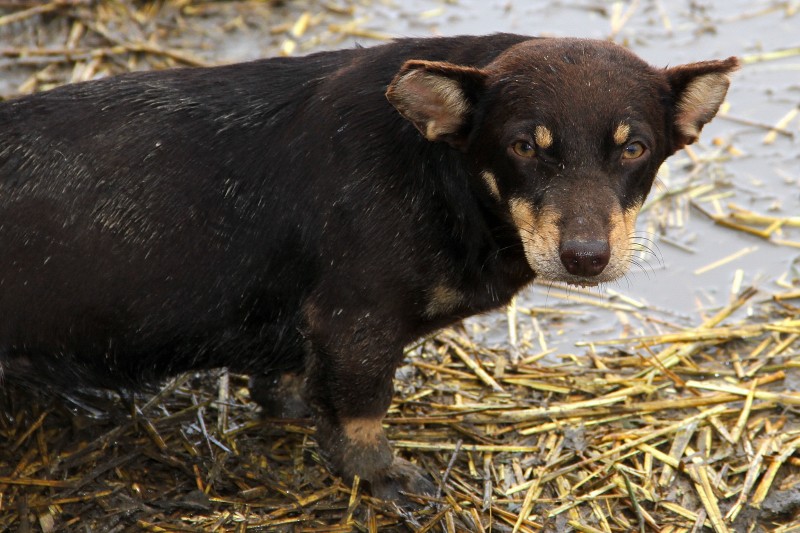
column 437, row 97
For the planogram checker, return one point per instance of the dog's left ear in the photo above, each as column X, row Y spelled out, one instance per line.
column 437, row 97
column 698, row 90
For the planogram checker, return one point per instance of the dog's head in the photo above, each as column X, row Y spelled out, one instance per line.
column 565, row 137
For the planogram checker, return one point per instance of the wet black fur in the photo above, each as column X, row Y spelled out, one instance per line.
column 156, row 222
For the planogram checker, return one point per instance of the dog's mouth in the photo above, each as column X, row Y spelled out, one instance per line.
column 573, row 260
column 545, row 274
column 549, row 268
column 584, row 283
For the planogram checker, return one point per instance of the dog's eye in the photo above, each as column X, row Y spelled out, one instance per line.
column 524, row 149
column 634, row 150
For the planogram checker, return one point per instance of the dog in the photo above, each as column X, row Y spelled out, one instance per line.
column 303, row 219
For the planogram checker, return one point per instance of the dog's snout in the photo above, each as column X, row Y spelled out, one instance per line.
column 585, row 258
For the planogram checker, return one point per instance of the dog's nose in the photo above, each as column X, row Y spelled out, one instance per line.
column 585, row 258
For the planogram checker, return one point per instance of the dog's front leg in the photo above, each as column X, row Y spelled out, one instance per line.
column 351, row 365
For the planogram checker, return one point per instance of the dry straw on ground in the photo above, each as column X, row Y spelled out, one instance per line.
column 682, row 430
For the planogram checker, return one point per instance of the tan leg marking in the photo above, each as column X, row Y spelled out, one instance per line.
column 364, row 431
column 491, row 183
column 622, row 133
column 544, row 137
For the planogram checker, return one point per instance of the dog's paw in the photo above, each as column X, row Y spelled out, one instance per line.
column 402, row 478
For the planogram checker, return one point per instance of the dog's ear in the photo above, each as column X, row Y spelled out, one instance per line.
column 698, row 90
column 437, row 97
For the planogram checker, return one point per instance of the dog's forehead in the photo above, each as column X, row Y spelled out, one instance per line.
column 566, row 67
column 597, row 81
column 556, row 53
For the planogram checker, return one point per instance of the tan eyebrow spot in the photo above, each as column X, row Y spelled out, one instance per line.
column 544, row 138
column 365, row 431
column 621, row 133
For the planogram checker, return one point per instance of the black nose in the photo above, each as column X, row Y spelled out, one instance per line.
column 585, row 258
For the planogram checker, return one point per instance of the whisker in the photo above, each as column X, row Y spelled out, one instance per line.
column 643, row 243
column 626, row 278
column 642, row 268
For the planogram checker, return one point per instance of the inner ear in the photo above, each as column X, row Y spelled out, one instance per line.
column 699, row 89
column 437, row 97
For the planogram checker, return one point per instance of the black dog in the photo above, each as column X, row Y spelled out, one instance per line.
column 283, row 219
